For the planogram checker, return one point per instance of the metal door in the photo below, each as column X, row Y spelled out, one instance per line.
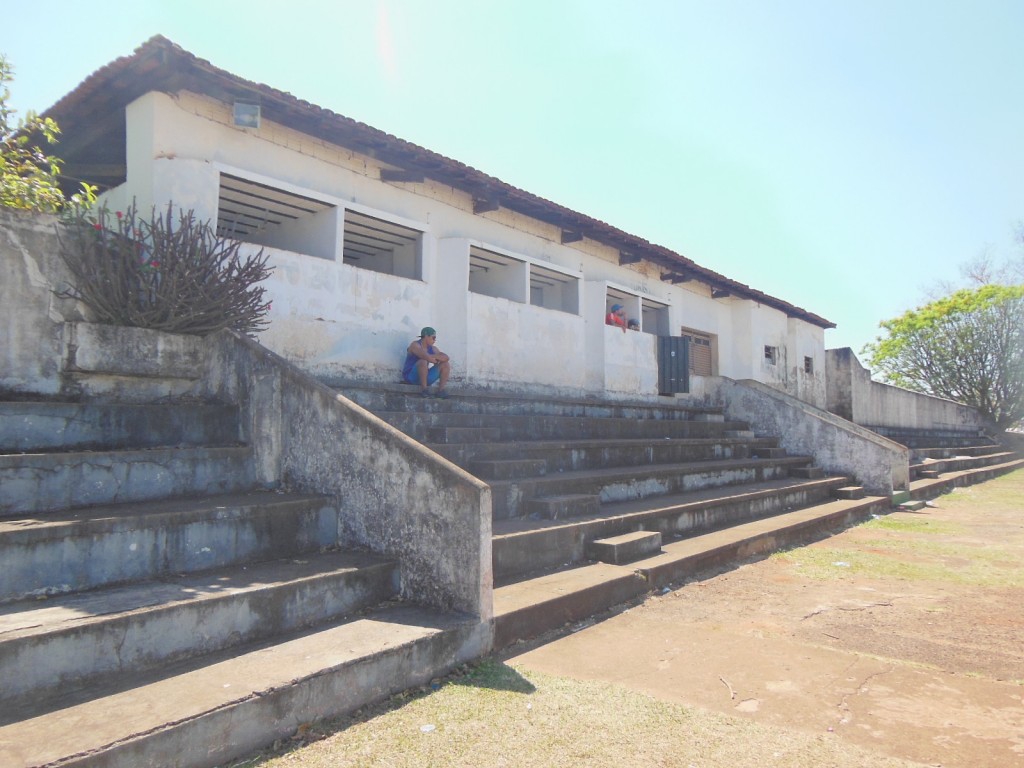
column 673, row 365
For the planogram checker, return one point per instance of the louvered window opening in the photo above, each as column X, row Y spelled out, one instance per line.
column 381, row 246
column 700, row 354
column 248, row 210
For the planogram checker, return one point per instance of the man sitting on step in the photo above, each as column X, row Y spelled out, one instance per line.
column 425, row 364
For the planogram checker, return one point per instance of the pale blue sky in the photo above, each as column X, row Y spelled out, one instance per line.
column 842, row 155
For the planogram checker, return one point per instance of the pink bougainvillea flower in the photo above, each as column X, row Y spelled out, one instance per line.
column 119, row 214
column 97, row 225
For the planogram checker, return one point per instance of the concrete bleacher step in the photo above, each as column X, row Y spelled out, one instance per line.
column 563, row 506
column 462, row 434
column 424, row 426
column 956, row 463
column 849, row 492
column 948, row 438
column 49, row 646
column 767, row 451
column 419, row 420
column 709, row 416
column 625, row 547
column 509, row 497
column 809, row 472
column 519, row 546
column 38, row 482
column 682, row 559
column 919, row 455
column 927, row 488
column 208, row 711
column 569, row 455
column 89, row 547
column 67, row 426
column 507, row 469
column 384, row 398
column 529, row 607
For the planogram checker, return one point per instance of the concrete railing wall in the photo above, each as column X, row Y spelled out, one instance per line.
column 394, row 496
column 837, row 445
column 852, row 394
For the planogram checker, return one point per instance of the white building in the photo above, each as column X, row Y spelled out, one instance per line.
column 372, row 237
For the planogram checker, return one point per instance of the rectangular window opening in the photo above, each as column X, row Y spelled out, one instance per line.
column 265, row 215
column 654, row 317
column 701, row 352
column 495, row 274
column 771, row 355
column 382, row 246
column 552, row 289
column 809, row 365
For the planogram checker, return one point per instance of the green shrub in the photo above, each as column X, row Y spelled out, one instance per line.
column 28, row 176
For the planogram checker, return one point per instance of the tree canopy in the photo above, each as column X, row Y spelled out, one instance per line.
column 968, row 347
column 28, row 176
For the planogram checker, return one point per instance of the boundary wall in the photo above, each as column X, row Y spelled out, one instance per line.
column 851, row 394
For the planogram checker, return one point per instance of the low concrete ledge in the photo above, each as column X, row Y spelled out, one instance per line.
column 837, row 445
column 122, row 351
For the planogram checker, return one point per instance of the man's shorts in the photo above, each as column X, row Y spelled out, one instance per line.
column 412, row 377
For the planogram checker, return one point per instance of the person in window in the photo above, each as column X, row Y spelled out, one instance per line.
column 634, row 325
column 616, row 317
column 426, row 365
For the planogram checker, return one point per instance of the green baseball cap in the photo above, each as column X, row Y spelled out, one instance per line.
column 428, row 331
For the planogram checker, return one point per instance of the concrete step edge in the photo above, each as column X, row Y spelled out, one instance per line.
column 87, row 548
column 682, row 559
column 653, row 470
column 930, row 488
column 556, row 544
column 229, row 707
column 528, row 608
column 53, row 645
column 37, row 426
column 654, row 507
column 39, row 483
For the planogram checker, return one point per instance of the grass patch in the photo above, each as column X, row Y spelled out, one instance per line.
column 1007, row 492
column 499, row 716
column 906, row 524
column 984, row 568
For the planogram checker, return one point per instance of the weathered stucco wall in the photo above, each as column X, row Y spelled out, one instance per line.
column 345, row 323
column 518, row 344
column 854, row 396
column 32, row 332
column 838, row 446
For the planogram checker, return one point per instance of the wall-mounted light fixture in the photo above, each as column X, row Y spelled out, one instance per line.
column 246, row 115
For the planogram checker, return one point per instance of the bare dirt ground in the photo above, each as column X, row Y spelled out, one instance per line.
column 903, row 636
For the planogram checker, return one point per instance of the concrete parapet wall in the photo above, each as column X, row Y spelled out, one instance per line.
column 395, row 497
column 32, row 328
column 837, row 445
column 852, row 395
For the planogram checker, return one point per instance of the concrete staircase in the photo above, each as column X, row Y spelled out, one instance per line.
column 943, row 459
column 159, row 608
column 595, row 503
